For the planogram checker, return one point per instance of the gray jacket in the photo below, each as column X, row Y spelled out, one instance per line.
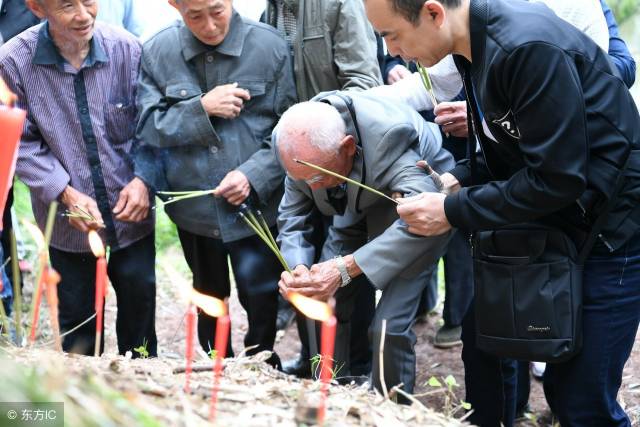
column 335, row 47
column 197, row 151
column 369, row 228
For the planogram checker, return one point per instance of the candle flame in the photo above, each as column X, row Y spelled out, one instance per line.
column 52, row 277
column 314, row 309
column 6, row 96
column 214, row 307
column 36, row 235
column 96, row 244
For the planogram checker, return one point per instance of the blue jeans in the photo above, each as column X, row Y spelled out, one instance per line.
column 583, row 390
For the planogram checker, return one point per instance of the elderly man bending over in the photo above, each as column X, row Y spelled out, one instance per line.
column 343, row 134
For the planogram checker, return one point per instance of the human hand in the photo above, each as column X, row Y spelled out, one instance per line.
column 300, row 273
column 452, row 117
column 398, row 73
column 78, row 202
column 234, row 187
column 424, row 214
column 133, row 202
column 225, row 101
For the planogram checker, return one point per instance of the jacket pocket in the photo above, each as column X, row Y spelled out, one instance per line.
column 120, row 122
column 175, row 93
column 316, row 50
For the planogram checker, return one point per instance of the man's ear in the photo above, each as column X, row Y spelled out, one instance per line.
column 435, row 11
column 348, row 144
column 174, row 4
column 36, row 8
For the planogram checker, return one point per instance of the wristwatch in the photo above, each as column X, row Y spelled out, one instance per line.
column 342, row 268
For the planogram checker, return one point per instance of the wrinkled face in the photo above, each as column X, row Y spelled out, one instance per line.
column 340, row 162
column 208, row 20
column 425, row 42
column 69, row 20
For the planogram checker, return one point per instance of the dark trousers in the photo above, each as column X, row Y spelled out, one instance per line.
column 583, row 390
column 132, row 274
column 458, row 279
column 256, row 271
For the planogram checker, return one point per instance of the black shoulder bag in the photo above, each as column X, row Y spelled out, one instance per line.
column 528, row 282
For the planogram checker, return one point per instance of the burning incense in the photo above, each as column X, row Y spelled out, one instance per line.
column 426, row 81
column 423, row 164
column 101, row 283
column 344, row 178
column 177, row 196
column 322, row 312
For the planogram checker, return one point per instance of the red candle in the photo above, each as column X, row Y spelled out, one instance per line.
column 327, row 345
column 222, row 336
column 11, row 124
column 101, row 284
column 188, row 354
column 38, row 297
column 52, row 280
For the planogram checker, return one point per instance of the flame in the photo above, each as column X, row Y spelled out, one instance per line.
column 314, row 309
column 210, row 305
column 36, row 235
column 6, row 96
column 96, row 244
column 52, row 277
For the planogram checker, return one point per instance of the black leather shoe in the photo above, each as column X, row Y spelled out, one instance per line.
column 299, row 367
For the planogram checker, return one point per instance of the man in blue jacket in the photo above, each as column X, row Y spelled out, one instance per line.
column 555, row 126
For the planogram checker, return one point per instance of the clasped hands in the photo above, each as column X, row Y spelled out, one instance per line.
column 320, row 282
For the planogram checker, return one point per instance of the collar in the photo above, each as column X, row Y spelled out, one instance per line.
column 478, row 23
column 231, row 45
column 47, row 52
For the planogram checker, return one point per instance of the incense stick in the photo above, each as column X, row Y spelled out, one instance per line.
column 344, row 178
column 426, row 81
column 178, row 196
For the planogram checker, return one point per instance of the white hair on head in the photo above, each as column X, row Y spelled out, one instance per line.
column 315, row 123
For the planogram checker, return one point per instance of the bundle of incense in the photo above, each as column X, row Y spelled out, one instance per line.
column 437, row 180
column 344, row 178
column 84, row 215
column 176, row 196
column 426, row 81
column 259, row 226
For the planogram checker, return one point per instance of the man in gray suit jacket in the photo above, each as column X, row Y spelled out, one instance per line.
column 343, row 133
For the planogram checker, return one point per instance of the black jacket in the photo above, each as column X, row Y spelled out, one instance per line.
column 563, row 124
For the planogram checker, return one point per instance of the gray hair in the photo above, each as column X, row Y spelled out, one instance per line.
column 317, row 124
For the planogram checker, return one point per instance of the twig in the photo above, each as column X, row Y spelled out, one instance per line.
column 75, row 328
column 383, row 334
column 344, row 178
column 410, row 397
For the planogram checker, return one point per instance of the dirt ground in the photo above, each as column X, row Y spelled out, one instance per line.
column 431, row 361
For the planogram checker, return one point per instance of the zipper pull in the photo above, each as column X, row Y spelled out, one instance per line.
column 603, row 240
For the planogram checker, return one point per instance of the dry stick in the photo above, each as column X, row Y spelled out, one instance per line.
column 410, row 397
column 17, row 290
column 70, row 331
column 344, row 178
column 383, row 334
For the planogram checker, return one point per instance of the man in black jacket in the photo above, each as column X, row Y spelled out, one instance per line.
column 555, row 124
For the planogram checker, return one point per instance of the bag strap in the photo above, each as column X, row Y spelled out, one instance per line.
column 599, row 222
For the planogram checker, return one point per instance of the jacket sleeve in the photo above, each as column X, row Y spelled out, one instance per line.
column 355, row 49
column 37, row 166
column 394, row 251
column 538, row 79
column 262, row 169
column 295, row 225
column 169, row 122
column 618, row 50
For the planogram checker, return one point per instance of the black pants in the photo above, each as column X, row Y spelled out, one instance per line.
column 132, row 274
column 256, row 271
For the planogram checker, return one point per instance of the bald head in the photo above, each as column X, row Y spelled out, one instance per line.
column 314, row 132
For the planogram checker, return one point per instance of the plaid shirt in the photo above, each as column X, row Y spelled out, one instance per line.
column 79, row 129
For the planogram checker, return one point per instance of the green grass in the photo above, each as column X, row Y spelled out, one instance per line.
column 623, row 9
